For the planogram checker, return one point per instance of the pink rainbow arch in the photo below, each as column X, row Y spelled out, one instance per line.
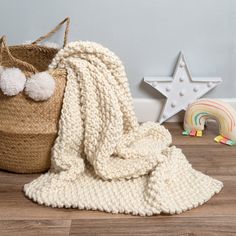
column 203, row 109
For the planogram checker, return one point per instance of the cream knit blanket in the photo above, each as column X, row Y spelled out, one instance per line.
column 102, row 159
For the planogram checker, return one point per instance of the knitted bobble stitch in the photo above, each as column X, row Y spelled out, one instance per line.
column 102, row 159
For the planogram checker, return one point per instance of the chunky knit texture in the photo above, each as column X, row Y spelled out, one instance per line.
column 102, row 159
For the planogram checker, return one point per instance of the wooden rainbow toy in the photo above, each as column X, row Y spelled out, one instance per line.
column 200, row 111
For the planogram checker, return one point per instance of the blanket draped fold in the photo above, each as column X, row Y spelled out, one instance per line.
column 102, row 158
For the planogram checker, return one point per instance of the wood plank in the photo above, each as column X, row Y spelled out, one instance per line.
column 35, row 227
column 13, row 205
column 210, row 160
column 217, row 217
column 210, row 132
column 163, row 225
column 203, row 153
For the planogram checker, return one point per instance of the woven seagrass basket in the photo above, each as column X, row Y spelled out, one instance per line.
column 28, row 128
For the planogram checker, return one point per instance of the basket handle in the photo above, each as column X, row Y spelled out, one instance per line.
column 53, row 31
column 3, row 44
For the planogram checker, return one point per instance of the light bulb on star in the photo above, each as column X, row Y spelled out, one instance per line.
column 181, row 89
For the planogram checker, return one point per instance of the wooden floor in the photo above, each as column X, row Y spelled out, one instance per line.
column 20, row 216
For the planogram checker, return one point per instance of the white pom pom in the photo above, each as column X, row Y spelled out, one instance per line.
column 40, row 86
column 1, row 70
column 50, row 45
column 12, row 81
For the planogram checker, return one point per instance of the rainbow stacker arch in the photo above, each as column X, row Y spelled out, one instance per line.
column 203, row 109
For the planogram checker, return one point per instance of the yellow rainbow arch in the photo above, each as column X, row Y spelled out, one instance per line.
column 203, row 109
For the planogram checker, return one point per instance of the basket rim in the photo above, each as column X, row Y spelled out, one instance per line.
column 29, row 46
column 34, row 48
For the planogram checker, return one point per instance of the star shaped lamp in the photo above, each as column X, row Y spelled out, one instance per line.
column 181, row 89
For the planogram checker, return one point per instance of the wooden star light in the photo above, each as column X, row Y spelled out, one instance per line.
column 181, row 89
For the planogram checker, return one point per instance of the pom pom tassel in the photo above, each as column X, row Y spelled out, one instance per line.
column 40, row 86
column 12, row 81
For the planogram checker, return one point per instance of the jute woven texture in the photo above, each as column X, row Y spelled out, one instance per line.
column 28, row 128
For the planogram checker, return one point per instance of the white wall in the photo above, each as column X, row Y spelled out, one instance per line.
column 146, row 34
